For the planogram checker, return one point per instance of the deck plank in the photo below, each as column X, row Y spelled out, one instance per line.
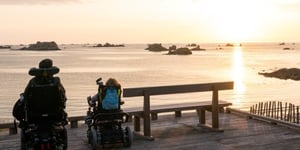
column 183, row 133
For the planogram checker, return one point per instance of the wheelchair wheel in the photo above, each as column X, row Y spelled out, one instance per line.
column 23, row 141
column 96, row 139
column 127, row 137
column 89, row 136
column 65, row 139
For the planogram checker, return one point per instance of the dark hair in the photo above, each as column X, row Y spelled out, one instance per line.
column 112, row 82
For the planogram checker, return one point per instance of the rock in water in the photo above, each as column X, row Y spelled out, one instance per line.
column 284, row 73
column 42, row 46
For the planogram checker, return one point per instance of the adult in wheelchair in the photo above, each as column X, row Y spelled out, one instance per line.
column 40, row 110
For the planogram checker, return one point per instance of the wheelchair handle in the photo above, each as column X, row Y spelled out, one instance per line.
column 99, row 82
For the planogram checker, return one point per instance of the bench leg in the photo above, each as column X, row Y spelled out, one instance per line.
column 129, row 118
column 74, row 124
column 147, row 125
column 201, row 115
column 154, row 116
column 137, row 123
column 178, row 113
column 13, row 130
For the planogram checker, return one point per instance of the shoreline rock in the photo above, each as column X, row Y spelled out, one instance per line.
column 284, row 73
column 156, row 47
column 180, row 51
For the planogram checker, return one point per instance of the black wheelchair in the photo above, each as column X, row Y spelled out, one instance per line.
column 44, row 125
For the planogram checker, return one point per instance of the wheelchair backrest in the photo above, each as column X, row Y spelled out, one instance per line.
column 44, row 103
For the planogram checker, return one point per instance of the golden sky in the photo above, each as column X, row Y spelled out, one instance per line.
column 147, row 21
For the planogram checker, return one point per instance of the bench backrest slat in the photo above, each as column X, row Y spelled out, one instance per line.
column 160, row 90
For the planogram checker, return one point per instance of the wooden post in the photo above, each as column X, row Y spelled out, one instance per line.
column 137, row 123
column 201, row 116
column 277, row 110
column 259, row 109
column 178, row 113
column 147, row 120
column 291, row 109
column 285, row 108
column 154, row 116
column 298, row 114
column 13, row 130
column 294, row 113
column 274, row 109
column 270, row 106
column 264, row 109
column 215, row 108
column 281, row 118
column 74, row 124
column 289, row 113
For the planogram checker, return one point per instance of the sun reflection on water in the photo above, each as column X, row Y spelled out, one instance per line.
column 238, row 73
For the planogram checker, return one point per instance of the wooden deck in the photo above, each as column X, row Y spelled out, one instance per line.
column 183, row 133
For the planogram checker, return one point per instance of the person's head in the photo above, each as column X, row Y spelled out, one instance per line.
column 112, row 82
column 46, row 69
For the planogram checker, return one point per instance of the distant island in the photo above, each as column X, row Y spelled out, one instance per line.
column 173, row 50
column 42, row 46
column 180, row 51
column 232, row 45
column 195, row 47
column 4, row 47
column 285, row 44
column 284, row 73
column 109, row 45
column 156, row 47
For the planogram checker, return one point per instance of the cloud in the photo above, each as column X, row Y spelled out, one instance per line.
column 36, row 2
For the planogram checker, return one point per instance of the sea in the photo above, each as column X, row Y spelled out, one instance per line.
column 133, row 66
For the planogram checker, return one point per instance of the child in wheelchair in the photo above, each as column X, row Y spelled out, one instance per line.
column 105, row 116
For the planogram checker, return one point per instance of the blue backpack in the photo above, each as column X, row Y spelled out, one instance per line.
column 111, row 99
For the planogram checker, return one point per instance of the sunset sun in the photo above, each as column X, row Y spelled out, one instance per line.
column 235, row 20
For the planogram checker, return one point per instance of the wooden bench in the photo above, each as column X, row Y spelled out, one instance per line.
column 200, row 107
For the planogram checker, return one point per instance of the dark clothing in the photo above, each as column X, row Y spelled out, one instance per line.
column 40, row 94
column 42, row 80
column 44, row 98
